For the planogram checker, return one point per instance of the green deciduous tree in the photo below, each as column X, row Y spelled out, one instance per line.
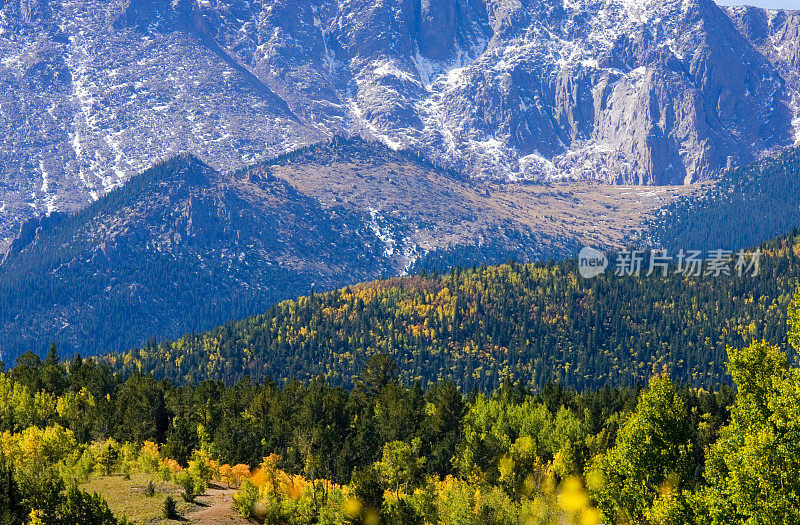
column 400, row 466
column 107, row 453
column 652, row 457
column 754, row 468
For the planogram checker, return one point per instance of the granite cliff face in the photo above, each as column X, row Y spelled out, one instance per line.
column 776, row 35
column 636, row 92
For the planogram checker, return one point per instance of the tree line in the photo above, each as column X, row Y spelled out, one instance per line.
column 747, row 206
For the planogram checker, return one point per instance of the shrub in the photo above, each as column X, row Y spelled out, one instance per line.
column 165, row 472
column 240, row 473
column 83, row 467
column 189, row 484
column 149, row 458
column 203, row 469
column 170, row 508
column 128, row 458
column 245, row 499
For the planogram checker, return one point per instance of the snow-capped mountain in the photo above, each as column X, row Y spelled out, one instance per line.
column 644, row 92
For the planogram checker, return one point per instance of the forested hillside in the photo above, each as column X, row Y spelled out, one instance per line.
column 478, row 327
column 181, row 247
column 184, row 247
column 747, row 206
column 394, row 454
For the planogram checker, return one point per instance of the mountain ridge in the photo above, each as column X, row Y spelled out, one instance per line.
column 184, row 247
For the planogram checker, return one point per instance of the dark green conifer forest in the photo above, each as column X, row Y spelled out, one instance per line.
column 477, row 328
column 745, row 207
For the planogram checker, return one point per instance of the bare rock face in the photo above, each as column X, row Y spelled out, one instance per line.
column 776, row 35
column 645, row 92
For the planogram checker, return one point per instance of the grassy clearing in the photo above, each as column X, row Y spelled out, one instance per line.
column 127, row 497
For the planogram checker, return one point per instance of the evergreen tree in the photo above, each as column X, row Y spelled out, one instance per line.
column 53, row 374
column 12, row 511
